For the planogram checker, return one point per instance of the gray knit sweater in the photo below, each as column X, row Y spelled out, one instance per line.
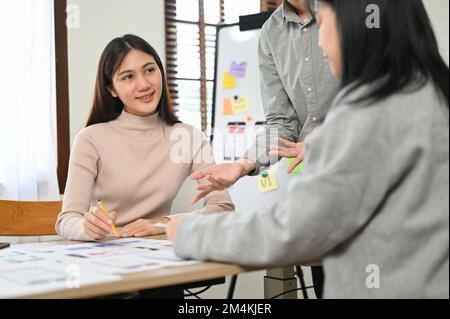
column 373, row 203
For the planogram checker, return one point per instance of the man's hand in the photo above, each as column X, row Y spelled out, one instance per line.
column 220, row 177
column 291, row 150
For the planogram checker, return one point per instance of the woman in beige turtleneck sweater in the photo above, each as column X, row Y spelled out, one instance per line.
column 134, row 154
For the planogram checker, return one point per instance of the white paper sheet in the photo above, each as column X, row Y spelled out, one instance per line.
column 43, row 267
column 27, row 278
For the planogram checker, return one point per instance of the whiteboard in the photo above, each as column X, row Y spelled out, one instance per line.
column 238, row 46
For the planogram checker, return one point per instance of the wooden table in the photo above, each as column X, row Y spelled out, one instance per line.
column 163, row 277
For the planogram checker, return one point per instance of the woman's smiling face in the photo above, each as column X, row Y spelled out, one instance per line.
column 138, row 83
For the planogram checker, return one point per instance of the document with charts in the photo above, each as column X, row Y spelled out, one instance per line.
column 41, row 267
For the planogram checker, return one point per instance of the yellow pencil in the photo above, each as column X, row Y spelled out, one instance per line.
column 104, row 210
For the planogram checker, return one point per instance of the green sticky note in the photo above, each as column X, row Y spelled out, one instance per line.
column 298, row 168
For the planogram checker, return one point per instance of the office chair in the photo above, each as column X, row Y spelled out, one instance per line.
column 301, row 281
column 28, row 218
column 231, row 287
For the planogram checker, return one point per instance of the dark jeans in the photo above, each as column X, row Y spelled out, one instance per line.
column 318, row 280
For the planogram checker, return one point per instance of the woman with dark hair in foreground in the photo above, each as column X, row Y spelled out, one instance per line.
column 373, row 198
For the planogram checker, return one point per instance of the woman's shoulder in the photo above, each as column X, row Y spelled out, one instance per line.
column 188, row 134
column 348, row 102
column 93, row 132
column 412, row 95
column 407, row 110
column 187, row 129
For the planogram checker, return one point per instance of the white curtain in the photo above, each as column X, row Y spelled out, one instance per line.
column 27, row 101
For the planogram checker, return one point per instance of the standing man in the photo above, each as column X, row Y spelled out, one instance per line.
column 297, row 89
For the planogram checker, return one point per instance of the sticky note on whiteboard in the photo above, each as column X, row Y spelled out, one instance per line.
column 241, row 104
column 238, row 70
column 229, row 82
column 267, row 183
column 298, row 168
column 228, row 107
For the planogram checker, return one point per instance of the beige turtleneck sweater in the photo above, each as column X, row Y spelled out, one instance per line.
column 135, row 165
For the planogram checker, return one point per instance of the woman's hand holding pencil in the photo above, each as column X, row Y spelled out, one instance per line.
column 98, row 223
column 110, row 222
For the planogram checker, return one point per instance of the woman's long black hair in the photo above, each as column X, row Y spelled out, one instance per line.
column 402, row 51
column 105, row 107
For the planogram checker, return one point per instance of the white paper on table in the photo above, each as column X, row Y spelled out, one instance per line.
column 144, row 243
column 13, row 256
column 109, row 257
column 169, row 257
column 18, row 280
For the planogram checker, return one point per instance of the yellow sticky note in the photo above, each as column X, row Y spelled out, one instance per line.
column 241, row 104
column 267, row 183
column 229, row 82
column 298, row 168
column 228, row 107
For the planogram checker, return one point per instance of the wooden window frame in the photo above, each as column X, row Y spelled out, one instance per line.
column 171, row 43
column 62, row 93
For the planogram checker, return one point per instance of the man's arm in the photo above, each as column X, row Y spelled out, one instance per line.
column 281, row 117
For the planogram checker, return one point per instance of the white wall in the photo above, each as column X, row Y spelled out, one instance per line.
column 100, row 22
column 438, row 11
